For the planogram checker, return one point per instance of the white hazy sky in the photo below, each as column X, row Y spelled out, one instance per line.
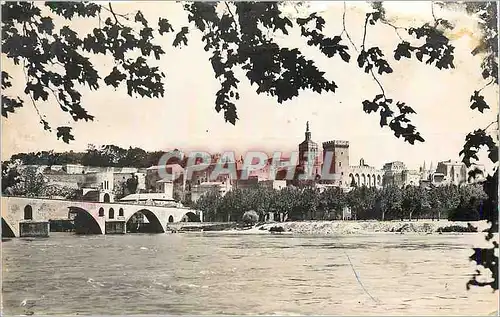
column 185, row 118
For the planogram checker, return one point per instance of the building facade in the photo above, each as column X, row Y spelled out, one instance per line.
column 365, row 175
column 455, row 172
column 393, row 174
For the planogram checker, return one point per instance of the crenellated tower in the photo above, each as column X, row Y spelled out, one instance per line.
column 340, row 160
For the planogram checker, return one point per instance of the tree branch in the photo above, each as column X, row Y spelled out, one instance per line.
column 56, row 97
column 231, row 13
column 489, row 125
column 344, row 30
column 433, row 15
column 115, row 15
column 396, row 28
column 378, row 82
column 46, row 125
column 489, row 83
column 364, row 34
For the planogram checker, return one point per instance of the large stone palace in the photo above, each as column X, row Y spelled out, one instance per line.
column 391, row 174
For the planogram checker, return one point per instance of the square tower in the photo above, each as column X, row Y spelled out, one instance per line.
column 340, row 160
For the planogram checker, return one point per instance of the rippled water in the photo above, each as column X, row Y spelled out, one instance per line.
column 241, row 274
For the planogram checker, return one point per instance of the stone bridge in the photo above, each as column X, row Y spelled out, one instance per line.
column 95, row 216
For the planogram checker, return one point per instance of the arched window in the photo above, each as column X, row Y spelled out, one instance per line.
column 28, row 213
column 101, row 212
column 170, row 219
column 120, row 212
column 106, row 198
column 111, row 213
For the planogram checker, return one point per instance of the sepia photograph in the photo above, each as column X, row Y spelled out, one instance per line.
column 278, row 158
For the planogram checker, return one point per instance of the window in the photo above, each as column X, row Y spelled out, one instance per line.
column 340, row 163
column 111, row 213
column 341, row 153
column 342, row 173
column 120, row 212
column 101, row 212
column 28, row 213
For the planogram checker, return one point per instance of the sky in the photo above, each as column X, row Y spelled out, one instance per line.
column 186, row 119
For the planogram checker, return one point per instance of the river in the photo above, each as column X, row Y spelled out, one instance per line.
column 220, row 273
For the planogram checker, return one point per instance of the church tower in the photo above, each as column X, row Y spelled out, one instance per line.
column 308, row 154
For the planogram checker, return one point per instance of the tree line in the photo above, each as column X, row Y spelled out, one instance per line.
column 457, row 203
column 103, row 156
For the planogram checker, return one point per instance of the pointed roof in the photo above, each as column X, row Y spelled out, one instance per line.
column 307, row 140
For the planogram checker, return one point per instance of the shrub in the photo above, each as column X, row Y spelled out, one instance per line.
column 276, row 229
column 250, row 217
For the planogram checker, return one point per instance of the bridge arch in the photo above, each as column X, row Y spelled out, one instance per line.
column 7, row 231
column 84, row 221
column 28, row 212
column 190, row 217
column 154, row 226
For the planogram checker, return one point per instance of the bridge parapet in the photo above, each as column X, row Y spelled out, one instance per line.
column 18, row 209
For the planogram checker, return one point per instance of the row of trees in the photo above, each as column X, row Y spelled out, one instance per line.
column 389, row 203
column 105, row 156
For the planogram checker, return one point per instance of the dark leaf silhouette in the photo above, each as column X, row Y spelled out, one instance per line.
column 164, row 26
column 9, row 105
column 478, row 102
column 65, row 134
column 181, row 38
column 399, row 124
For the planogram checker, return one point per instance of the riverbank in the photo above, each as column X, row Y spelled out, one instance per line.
column 339, row 227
